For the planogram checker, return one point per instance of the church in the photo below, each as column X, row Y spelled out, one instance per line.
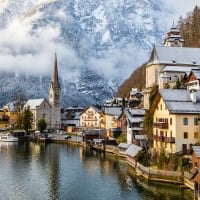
column 50, row 110
column 170, row 63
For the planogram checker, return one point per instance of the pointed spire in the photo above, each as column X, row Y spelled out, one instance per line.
column 55, row 79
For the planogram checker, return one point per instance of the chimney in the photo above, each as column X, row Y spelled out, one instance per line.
column 193, row 96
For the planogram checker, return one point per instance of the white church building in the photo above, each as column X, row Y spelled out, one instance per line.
column 50, row 110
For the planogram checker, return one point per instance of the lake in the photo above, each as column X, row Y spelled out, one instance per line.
column 35, row 171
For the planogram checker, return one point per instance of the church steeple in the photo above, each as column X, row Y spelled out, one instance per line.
column 174, row 38
column 55, row 80
column 54, row 97
column 54, row 92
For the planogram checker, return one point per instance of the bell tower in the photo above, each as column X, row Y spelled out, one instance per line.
column 174, row 39
column 54, row 97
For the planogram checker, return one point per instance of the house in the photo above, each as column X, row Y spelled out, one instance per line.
column 196, row 170
column 90, row 118
column 131, row 153
column 110, row 120
column 4, row 119
column 175, row 119
column 193, row 79
column 135, row 98
column 195, row 157
column 70, row 118
column 8, row 116
column 40, row 109
column 169, row 63
column 135, row 127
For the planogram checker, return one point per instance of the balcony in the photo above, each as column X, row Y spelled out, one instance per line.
column 164, row 139
column 160, row 125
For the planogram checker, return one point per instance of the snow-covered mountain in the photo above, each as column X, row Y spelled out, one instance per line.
column 98, row 43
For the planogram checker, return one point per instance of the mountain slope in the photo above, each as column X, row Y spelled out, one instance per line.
column 98, row 43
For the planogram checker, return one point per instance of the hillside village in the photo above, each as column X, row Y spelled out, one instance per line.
column 162, row 120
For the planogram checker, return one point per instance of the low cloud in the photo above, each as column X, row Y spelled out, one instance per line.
column 32, row 51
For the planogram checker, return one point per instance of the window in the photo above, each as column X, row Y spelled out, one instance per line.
column 195, row 121
column 196, row 135
column 185, row 135
column 184, row 148
column 170, row 121
column 185, row 121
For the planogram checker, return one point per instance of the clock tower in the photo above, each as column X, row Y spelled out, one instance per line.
column 54, row 97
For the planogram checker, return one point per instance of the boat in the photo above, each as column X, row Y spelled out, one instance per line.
column 8, row 138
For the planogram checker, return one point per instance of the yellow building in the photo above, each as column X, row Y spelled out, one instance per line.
column 8, row 117
column 176, row 119
column 111, row 120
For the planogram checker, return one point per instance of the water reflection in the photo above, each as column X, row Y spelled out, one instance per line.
column 60, row 171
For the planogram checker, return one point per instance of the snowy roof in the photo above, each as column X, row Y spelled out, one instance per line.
column 140, row 137
column 184, row 69
column 133, row 150
column 196, row 150
column 135, row 112
column 176, row 55
column 136, row 119
column 179, row 101
column 33, row 103
column 115, row 111
column 74, row 115
column 135, row 115
column 124, row 145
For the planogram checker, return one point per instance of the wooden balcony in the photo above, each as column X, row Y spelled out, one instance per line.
column 164, row 139
column 160, row 125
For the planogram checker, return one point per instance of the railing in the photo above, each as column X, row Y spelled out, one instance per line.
column 164, row 139
column 161, row 174
column 160, row 125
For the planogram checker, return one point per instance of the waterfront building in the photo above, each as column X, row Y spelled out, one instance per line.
column 196, row 171
column 111, row 120
column 175, row 119
column 40, row 109
column 70, row 118
column 90, row 118
column 135, row 127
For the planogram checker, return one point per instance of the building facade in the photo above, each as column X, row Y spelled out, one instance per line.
column 175, row 120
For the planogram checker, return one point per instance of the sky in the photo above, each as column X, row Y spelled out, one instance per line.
column 181, row 7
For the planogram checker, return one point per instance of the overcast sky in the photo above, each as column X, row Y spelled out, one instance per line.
column 36, row 48
column 182, row 7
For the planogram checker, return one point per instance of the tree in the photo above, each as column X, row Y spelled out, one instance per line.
column 41, row 125
column 26, row 119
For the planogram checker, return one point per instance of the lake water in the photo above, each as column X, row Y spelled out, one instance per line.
column 31, row 171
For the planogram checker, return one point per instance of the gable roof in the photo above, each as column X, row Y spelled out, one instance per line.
column 178, row 101
column 175, row 55
column 33, row 103
column 133, row 150
column 196, row 73
column 113, row 111
column 93, row 107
